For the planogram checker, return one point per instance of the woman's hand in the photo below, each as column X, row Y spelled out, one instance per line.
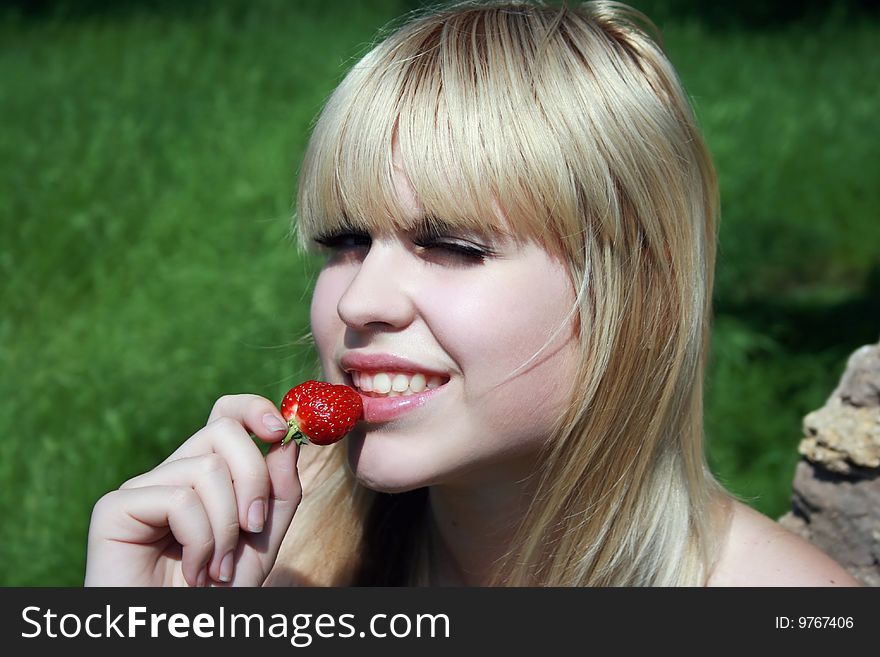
column 215, row 511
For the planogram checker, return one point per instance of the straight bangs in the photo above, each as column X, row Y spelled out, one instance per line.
column 452, row 100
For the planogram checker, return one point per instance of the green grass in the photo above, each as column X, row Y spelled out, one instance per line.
column 147, row 170
column 789, row 115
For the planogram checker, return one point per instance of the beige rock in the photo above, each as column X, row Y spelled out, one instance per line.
column 842, row 437
column 836, row 490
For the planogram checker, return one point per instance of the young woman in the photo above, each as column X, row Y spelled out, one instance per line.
column 519, row 219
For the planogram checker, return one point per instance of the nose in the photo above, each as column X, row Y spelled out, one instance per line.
column 377, row 293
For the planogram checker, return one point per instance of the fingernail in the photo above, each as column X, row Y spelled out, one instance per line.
column 202, row 578
column 274, row 423
column 256, row 516
column 226, row 568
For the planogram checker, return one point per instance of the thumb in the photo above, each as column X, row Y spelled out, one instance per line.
column 284, row 497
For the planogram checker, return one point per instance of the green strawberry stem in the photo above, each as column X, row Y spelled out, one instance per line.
column 294, row 434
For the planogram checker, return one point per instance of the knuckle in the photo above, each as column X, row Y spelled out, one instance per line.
column 225, row 425
column 210, row 464
column 226, row 404
column 130, row 483
column 256, row 484
column 229, row 530
column 206, row 545
column 183, row 496
column 259, row 474
column 221, row 403
column 105, row 505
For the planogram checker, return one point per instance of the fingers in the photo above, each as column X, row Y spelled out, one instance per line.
column 227, row 438
column 261, row 493
column 183, row 519
column 209, row 476
column 257, row 414
column 286, row 495
column 145, row 515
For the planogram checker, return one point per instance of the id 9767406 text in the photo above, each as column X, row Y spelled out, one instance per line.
column 814, row 622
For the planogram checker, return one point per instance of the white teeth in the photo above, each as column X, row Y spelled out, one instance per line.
column 382, row 383
column 394, row 384
column 400, row 383
column 417, row 383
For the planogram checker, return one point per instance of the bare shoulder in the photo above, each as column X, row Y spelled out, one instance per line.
column 759, row 552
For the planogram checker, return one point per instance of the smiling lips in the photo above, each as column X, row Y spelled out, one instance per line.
column 385, row 408
column 394, row 384
column 391, row 385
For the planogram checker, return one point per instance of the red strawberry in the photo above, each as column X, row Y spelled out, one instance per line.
column 320, row 413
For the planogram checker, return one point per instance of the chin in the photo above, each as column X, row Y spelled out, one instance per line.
column 385, row 486
column 383, row 469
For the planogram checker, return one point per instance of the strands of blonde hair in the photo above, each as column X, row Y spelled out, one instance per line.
column 567, row 126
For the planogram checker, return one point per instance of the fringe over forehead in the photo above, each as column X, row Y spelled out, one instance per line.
column 529, row 121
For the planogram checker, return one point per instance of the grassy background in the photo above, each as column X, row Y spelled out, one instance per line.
column 148, row 160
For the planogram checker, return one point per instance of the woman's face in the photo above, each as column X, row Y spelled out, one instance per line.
column 476, row 322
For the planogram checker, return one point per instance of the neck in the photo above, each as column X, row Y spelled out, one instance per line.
column 471, row 527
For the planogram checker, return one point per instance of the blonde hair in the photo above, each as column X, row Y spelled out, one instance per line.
column 572, row 122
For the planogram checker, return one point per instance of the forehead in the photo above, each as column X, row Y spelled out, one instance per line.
column 421, row 221
column 406, row 195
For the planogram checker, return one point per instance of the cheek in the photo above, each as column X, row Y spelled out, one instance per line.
column 323, row 313
column 498, row 328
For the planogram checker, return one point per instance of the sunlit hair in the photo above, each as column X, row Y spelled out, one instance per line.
column 571, row 124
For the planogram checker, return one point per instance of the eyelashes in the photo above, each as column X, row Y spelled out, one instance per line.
column 338, row 240
column 342, row 240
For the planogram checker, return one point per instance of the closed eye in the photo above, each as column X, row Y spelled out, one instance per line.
column 342, row 240
column 453, row 248
column 351, row 240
